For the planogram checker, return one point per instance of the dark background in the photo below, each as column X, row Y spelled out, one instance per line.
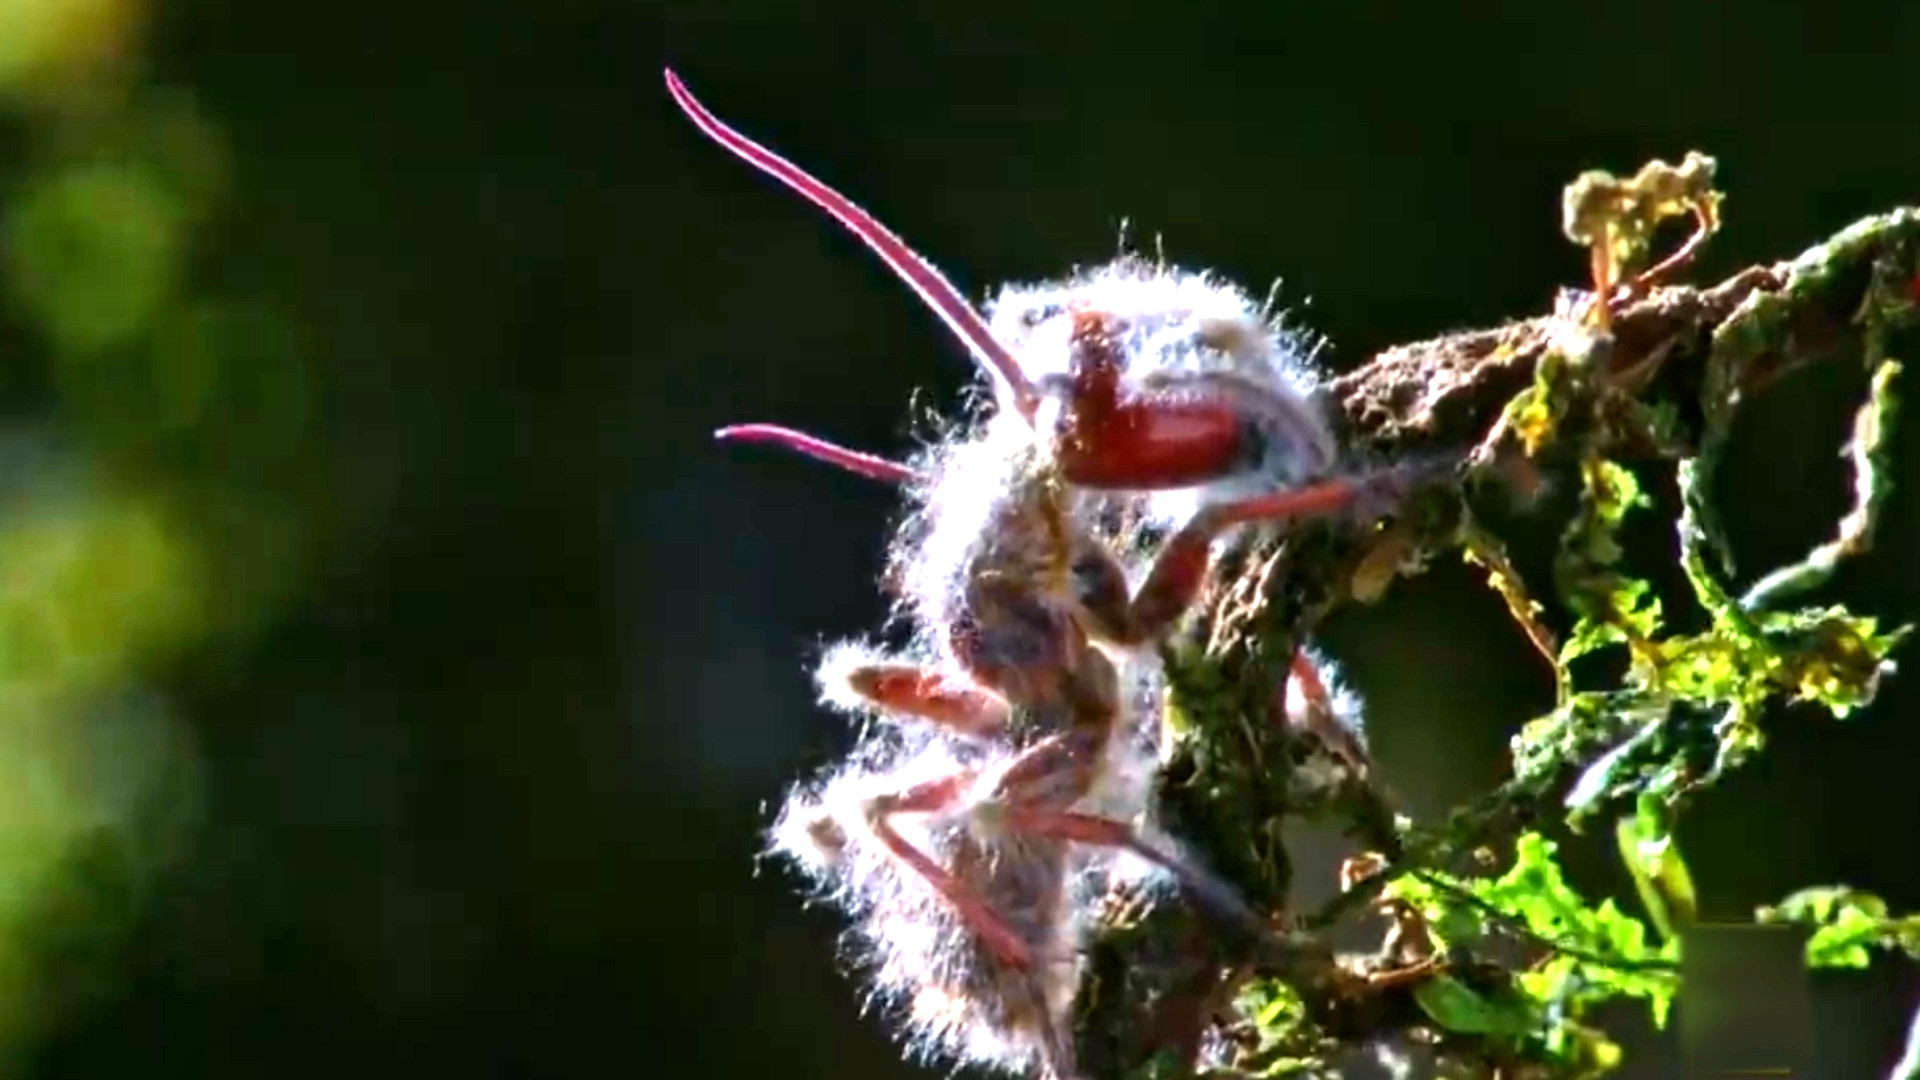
column 480, row 791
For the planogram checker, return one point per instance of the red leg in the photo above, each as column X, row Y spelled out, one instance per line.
column 934, row 795
column 1053, row 772
column 1311, row 686
column 1105, row 832
column 1083, row 829
column 914, row 691
column 1317, row 500
column 1169, row 590
column 1319, row 719
column 1181, row 565
column 1034, row 794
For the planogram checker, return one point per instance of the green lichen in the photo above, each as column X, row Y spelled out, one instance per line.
column 1846, row 924
column 1588, row 954
column 1635, row 743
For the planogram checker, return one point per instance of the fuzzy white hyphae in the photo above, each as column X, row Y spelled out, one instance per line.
column 969, row 846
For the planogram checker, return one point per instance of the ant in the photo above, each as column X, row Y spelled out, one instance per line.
column 1135, row 390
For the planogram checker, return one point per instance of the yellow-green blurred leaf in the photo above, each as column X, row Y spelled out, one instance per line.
column 62, row 41
column 93, row 251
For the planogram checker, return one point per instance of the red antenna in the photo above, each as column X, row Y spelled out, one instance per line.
column 920, row 276
column 819, row 449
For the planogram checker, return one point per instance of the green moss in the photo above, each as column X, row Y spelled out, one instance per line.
column 1638, row 746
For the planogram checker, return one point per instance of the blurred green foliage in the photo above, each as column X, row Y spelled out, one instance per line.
column 94, row 253
column 1846, row 923
column 57, row 46
column 136, row 514
column 90, row 588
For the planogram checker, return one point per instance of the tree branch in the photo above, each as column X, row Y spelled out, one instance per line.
column 1158, row 975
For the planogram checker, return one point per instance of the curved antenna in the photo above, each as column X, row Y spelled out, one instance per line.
column 920, row 276
column 868, row 465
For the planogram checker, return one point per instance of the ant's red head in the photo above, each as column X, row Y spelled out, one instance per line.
column 1136, row 377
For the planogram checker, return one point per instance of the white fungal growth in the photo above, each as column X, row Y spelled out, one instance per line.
column 1182, row 331
column 1342, row 705
column 840, row 660
column 955, row 999
column 986, row 504
column 953, row 510
column 1176, row 321
column 1324, row 710
column 1001, row 781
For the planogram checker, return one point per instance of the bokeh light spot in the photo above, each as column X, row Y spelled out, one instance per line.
column 93, row 251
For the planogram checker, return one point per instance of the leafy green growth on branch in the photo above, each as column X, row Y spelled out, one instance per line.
column 1586, row 955
column 1846, row 923
column 1500, row 975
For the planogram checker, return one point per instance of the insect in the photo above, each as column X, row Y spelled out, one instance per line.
column 1010, row 762
column 1011, row 766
